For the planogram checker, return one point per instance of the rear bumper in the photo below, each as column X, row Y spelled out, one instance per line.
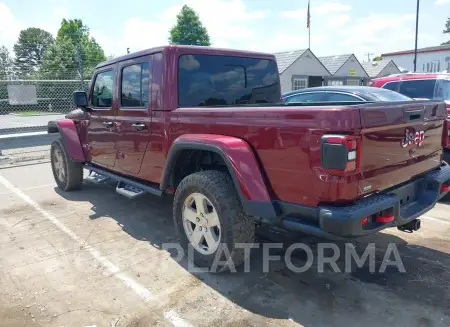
column 405, row 202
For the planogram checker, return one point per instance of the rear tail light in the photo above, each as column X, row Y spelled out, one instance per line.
column 365, row 221
column 384, row 218
column 340, row 154
column 447, row 105
column 445, row 188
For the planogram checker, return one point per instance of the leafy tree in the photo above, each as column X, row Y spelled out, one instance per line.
column 446, row 30
column 189, row 30
column 6, row 64
column 377, row 58
column 29, row 50
column 60, row 61
column 72, row 29
column 74, row 54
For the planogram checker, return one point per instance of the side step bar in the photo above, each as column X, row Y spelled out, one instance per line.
column 96, row 177
column 124, row 180
column 128, row 190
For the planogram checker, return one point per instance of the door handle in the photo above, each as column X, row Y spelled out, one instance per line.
column 107, row 124
column 414, row 114
column 139, row 126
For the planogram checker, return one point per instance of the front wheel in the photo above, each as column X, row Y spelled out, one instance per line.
column 209, row 218
column 68, row 174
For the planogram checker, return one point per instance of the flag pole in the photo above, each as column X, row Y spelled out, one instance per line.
column 417, row 31
column 308, row 24
column 309, row 37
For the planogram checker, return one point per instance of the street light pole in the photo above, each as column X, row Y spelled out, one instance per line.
column 417, row 31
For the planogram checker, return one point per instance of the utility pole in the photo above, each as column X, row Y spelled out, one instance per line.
column 79, row 56
column 417, row 31
column 368, row 54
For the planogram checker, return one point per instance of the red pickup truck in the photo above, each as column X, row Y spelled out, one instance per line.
column 207, row 125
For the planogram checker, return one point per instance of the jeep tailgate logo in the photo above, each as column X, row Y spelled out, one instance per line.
column 412, row 137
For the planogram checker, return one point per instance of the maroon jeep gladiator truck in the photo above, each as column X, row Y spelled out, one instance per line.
column 208, row 126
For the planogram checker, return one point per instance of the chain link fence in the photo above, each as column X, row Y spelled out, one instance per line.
column 40, row 73
column 28, row 105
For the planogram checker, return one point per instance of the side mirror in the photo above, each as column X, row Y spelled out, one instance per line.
column 80, row 99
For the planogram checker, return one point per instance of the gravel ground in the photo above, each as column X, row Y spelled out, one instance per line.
column 92, row 257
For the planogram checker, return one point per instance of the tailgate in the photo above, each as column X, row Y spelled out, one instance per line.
column 399, row 141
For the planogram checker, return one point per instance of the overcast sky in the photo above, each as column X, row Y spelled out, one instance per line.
column 337, row 26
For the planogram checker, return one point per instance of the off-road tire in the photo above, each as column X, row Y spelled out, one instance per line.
column 236, row 226
column 73, row 178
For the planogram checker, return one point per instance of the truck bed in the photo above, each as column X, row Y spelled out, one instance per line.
column 286, row 140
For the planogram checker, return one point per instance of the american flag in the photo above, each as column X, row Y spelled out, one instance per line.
column 308, row 17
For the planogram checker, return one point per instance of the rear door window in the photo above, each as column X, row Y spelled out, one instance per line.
column 418, row 88
column 341, row 97
column 442, row 90
column 134, row 86
column 393, row 86
column 209, row 80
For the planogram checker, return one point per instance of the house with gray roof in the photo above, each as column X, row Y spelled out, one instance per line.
column 381, row 68
column 300, row 69
column 345, row 70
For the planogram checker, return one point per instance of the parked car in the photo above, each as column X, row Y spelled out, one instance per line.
column 206, row 125
column 342, row 94
column 420, row 86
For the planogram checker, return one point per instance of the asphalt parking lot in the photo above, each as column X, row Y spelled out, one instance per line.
column 94, row 258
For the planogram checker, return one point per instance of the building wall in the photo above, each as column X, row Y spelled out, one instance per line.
column 346, row 80
column 306, row 65
column 426, row 61
column 352, row 68
column 388, row 70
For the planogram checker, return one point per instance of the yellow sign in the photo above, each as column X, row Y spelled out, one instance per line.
column 352, row 72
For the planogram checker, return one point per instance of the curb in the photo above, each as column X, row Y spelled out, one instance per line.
column 22, row 130
column 26, row 140
column 18, row 114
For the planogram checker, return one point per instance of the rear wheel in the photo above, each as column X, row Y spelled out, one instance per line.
column 209, row 218
column 68, row 174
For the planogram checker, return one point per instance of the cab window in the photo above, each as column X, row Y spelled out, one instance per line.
column 211, row 80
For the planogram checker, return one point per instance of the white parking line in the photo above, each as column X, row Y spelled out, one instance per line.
column 436, row 219
column 142, row 291
column 175, row 319
column 30, row 188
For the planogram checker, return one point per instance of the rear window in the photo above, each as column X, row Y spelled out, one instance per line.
column 208, row 80
column 418, row 88
column 386, row 95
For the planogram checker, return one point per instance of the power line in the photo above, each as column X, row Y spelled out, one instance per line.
column 368, row 54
